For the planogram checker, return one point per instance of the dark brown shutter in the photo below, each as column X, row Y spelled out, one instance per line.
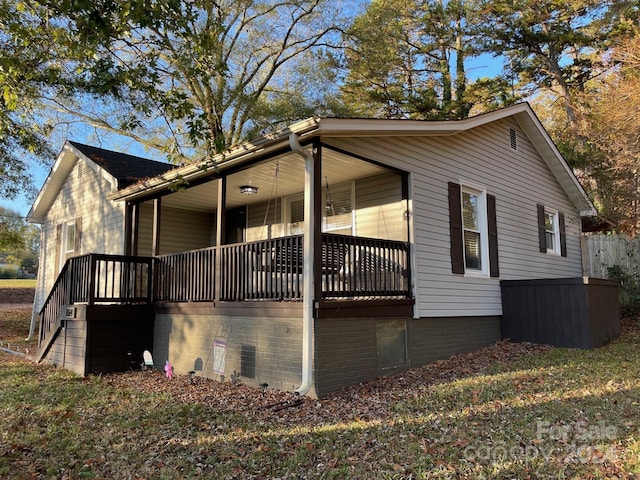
column 77, row 245
column 563, row 235
column 492, row 226
column 455, row 228
column 58, row 259
column 542, row 231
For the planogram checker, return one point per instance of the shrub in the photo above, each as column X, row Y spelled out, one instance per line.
column 8, row 273
column 629, row 292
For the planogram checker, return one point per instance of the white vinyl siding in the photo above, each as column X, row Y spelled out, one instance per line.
column 82, row 196
column 380, row 210
column 519, row 180
column 180, row 230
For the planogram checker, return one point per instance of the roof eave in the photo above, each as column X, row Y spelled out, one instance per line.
column 306, row 128
column 52, row 185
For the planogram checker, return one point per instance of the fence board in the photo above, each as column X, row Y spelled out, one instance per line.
column 604, row 251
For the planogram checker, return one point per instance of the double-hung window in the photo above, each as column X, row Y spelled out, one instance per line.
column 473, row 229
column 552, row 235
column 68, row 236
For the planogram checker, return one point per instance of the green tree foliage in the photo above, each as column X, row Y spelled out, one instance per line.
column 182, row 77
column 18, row 239
column 26, row 70
column 408, row 59
column 553, row 45
column 611, row 113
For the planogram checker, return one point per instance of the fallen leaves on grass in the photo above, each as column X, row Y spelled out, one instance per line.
column 375, row 399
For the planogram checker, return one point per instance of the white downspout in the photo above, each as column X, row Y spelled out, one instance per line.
column 307, row 268
column 39, row 282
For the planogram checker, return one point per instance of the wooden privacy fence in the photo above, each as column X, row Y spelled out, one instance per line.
column 601, row 252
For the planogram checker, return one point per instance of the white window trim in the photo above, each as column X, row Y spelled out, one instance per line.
column 481, row 192
column 65, row 237
column 555, row 249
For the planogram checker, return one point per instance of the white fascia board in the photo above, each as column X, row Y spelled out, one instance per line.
column 350, row 127
column 61, row 169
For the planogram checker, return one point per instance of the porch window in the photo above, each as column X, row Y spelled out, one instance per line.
column 337, row 216
column 295, row 213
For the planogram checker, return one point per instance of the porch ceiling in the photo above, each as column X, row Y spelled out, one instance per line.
column 336, row 167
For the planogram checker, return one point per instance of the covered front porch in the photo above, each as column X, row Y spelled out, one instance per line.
column 237, row 233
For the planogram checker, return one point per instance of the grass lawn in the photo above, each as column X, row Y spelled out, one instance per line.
column 17, row 283
column 553, row 413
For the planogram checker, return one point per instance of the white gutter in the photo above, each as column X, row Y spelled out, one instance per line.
column 307, row 268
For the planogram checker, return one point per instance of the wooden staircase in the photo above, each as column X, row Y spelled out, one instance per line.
column 93, row 279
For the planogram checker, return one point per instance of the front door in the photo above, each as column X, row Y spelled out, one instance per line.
column 236, row 223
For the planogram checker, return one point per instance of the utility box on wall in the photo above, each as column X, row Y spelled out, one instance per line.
column 567, row 312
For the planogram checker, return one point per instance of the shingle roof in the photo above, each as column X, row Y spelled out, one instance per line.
column 127, row 169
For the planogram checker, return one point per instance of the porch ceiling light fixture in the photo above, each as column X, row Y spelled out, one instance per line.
column 248, row 189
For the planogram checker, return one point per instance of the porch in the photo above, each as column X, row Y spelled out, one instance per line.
column 352, row 273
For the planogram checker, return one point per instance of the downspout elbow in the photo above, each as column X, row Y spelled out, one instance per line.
column 307, row 272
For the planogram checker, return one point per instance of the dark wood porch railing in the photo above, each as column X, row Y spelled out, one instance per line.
column 94, row 279
column 364, row 268
column 352, row 267
column 186, row 277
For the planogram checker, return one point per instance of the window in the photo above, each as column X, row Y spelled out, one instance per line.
column 551, row 231
column 337, row 216
column 473, row 230
column 391, row 343
column 68, row 236
column 69, row 239
column 294, row 210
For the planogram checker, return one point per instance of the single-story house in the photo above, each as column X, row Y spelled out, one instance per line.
column 324, row 255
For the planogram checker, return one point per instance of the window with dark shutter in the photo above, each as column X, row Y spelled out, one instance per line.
column 552, row 237
column 492, row 227
column 455, row 228
column 542, row 231
column 473, row 231
column 563, row 235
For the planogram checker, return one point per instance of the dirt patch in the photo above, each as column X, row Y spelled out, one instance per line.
column 17, row 295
